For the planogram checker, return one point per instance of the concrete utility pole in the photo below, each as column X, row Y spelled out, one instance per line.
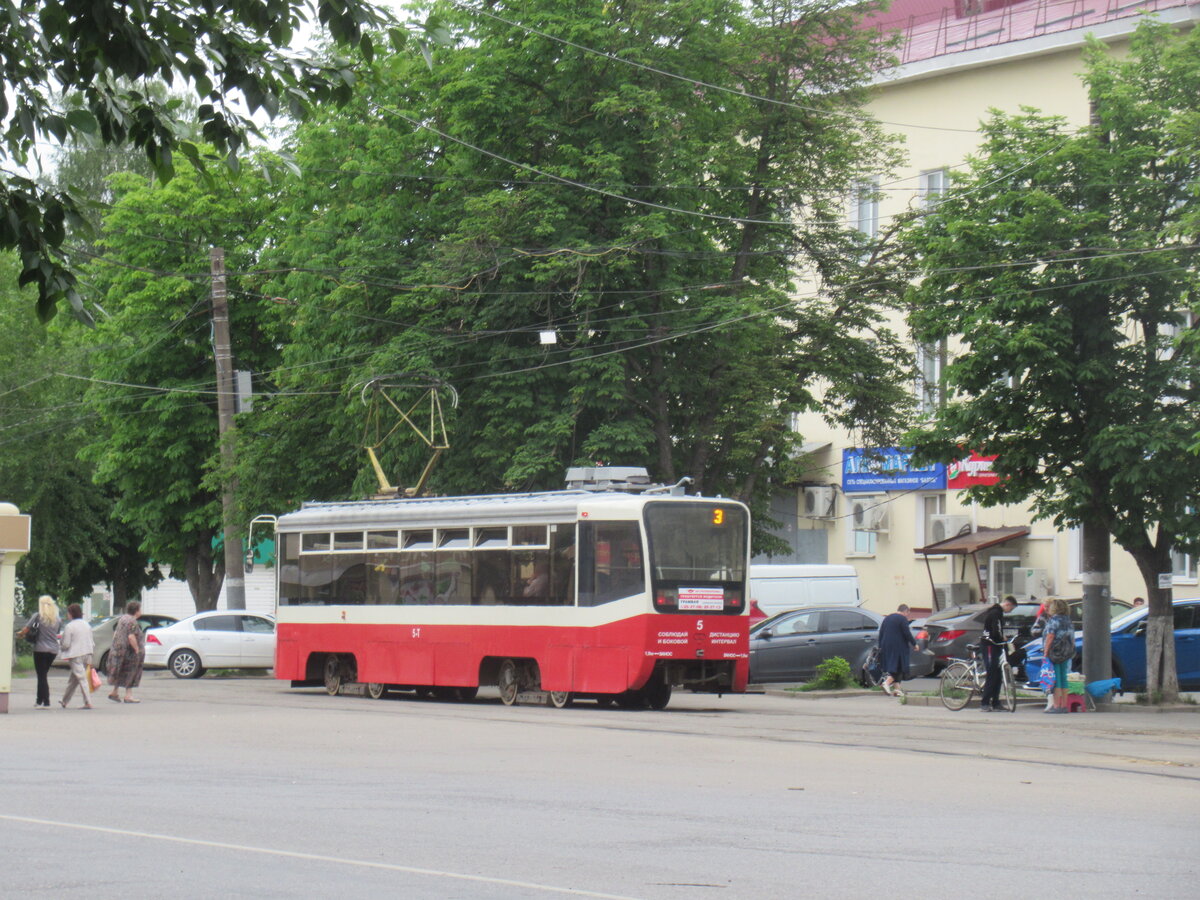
column 1095, row 566
column 235, row 574
column 14, row 543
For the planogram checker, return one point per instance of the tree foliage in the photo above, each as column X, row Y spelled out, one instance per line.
column 76, row 543
column 525, row 184
column 1062, row 260
column 153, row 390
column 72, row 69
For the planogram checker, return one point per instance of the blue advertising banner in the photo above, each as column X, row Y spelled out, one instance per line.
column 889, row 469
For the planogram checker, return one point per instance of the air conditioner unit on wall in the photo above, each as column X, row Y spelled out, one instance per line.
column 956, row 593
column 820, row 501
column 943, row 528
column 870, row 514
column 1031, row 583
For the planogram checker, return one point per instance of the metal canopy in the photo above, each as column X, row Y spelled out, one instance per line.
column 969, row 544
column 975, row 541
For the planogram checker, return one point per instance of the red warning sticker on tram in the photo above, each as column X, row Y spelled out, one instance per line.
column 701, row 598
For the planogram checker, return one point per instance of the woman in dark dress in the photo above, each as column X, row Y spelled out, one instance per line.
column 126, row 655
column 896, row 643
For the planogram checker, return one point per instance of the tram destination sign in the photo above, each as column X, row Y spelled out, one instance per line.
column 701, row 599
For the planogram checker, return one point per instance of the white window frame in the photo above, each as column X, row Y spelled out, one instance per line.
column 1183, row 568
column 866, row 207
column 931, row 361
column 862, row 543
column 924, row 501
column 995, row 588
column 932, row 184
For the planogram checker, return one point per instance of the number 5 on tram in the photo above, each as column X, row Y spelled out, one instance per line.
column 616, row 595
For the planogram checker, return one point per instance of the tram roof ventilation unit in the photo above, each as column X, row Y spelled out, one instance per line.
column 608, row 478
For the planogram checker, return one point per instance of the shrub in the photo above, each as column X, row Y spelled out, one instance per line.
column 832, row 674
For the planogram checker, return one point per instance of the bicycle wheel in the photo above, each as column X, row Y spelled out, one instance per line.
column 957, row 685
column 1008, row 688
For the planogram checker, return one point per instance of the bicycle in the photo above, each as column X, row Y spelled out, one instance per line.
column 963, row 678
column 870, row 674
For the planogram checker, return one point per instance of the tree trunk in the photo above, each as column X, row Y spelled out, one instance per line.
column 1097, row 618
column 1162, row 678
column 204, row 574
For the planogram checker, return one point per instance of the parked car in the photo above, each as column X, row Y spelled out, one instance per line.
column 102, row 634
column 951, row 630
column 1129, row 648
column 227, row 639
column 789, row 646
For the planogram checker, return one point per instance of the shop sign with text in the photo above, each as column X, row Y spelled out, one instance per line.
column 971, row 471
column 889, row 469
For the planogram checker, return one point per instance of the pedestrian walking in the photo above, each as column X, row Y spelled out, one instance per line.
column 1058, row 646
column 44, row 623
column 127, row 654
column 993, row 645
column 77, row 649
column 896, row 643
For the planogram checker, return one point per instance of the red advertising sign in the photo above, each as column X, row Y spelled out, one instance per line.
column 971, row 471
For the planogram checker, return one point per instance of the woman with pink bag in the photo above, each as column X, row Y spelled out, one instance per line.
column 77, row 649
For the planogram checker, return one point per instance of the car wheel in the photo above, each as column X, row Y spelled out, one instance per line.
column 185, row 664
column 103, row 667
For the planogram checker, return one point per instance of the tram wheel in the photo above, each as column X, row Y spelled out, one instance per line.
column 631, row 700
column 376, row 691
column 333, row 674
column 560, row 699
column 509, row 682
column 657, row 694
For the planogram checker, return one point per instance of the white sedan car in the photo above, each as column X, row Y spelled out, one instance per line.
column 218, row 639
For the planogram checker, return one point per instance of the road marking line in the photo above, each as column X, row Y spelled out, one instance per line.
column 316, row 857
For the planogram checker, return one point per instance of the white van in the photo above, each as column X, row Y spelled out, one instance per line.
column 778, row 588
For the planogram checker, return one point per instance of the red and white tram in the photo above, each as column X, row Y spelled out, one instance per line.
column 616, row 590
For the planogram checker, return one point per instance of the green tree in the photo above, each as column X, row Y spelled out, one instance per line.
column 525, row 184
column 153, row 391
column 71, row 68
column 76, row 542
column 1062, row 261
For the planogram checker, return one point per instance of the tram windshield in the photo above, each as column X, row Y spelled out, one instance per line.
column 697, row 542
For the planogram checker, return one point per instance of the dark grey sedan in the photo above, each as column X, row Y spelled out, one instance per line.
column 790, row 646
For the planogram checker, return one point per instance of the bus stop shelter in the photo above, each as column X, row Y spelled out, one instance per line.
column 965, row 545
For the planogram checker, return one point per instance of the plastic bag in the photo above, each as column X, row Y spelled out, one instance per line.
column 1047, row 676
column 94, row 681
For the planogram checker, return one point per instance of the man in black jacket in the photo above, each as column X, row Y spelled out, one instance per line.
column 991, row 644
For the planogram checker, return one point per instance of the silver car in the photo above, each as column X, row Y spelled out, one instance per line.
column 790, row 646
column 102, row 634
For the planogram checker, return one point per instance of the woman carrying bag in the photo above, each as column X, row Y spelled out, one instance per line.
column 43, row 624
column 77, row 649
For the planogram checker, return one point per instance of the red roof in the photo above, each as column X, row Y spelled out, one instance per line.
column 933, row 28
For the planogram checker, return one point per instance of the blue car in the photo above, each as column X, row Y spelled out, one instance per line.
column 1129, row 648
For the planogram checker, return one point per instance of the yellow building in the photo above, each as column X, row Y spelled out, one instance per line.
column 957, row 61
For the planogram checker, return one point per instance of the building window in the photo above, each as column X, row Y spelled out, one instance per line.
column 866, row 217
column 1183, row 567
column 929, row 505
column 932, row 184
column 1000, row 575
column 930, row 360
column 862, row 543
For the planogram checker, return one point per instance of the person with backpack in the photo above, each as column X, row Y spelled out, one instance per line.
column 1058, row 646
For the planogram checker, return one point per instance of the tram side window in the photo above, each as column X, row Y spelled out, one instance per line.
column 289, row 570
column 383, row 579
column 350, row 578
column 610, row 562
column 453, row 580
column 493, row 582
column 316, row 578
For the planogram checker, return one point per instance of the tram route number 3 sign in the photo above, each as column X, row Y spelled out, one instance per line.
column 701, row 598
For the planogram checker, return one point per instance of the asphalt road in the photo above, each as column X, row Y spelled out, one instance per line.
column 245, row 788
